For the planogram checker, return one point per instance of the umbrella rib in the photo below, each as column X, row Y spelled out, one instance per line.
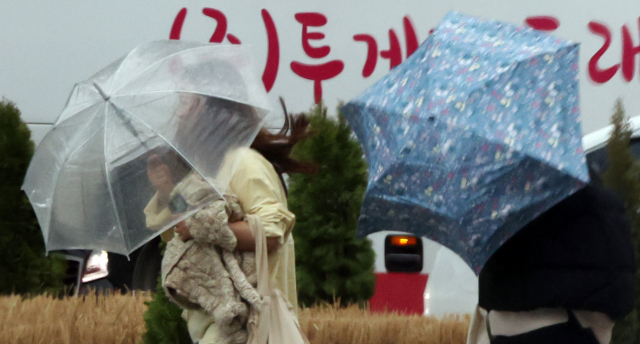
column 83, row 143
column 63, row 123
column 76, row 87
column 190, row 92
column 57, row 178
column 108, row 176
column 117, row 72
column 149, row 77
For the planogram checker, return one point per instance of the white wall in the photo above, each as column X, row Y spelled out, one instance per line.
column 47, row 46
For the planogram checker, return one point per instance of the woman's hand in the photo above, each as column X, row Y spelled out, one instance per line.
column 159, row 175
column 183, row 231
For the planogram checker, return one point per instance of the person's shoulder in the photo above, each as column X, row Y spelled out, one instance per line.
column 251, row 153
column 598, row 199
column 253, row 170
column 252, row 162
column 250, row 156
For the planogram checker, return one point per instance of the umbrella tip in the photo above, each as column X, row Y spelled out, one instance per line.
column 104, row 95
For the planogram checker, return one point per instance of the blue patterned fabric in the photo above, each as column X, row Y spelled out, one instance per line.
column 472, row 137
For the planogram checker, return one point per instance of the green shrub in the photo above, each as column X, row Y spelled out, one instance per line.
column 331, row 263
column 163, row 320
column 24, row 268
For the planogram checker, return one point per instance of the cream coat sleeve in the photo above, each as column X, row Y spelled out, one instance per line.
column 258, row 187
column 156, row 218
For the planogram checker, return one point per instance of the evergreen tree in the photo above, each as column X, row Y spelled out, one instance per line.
column 24, row 268
column 623, row 176
column 163, row 320
column 331, row 263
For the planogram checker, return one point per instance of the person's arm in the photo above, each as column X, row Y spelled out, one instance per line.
column 157, row 213
column 159, row 175
column 244, row 237
column 246, row 241
column 258, row 188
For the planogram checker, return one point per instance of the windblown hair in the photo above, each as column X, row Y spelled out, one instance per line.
column 276, row 148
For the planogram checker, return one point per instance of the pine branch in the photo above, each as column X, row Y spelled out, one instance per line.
column 623, row 176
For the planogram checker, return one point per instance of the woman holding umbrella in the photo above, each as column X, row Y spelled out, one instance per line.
column 88, row 188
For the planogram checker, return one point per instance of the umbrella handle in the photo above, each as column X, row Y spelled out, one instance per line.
column 104, row 95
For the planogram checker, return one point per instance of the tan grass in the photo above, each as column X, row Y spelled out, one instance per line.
column 352, row 325
column 91, row 319
column 118, row 319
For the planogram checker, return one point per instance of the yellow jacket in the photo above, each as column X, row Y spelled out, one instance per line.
column 258, row 187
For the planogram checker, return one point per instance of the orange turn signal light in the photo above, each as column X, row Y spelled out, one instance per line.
column 403, row 241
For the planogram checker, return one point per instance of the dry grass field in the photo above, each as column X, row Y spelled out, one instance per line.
column 117, row 319
column 331, row 325
column 113, row 319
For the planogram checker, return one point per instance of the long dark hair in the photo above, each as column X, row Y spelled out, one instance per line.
column 276, row 148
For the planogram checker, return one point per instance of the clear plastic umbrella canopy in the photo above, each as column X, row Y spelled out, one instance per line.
column 187, row 107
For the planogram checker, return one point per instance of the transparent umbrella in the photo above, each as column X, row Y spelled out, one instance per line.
column 189, row 107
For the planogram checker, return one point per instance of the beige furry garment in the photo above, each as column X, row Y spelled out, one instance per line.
column 205, row 273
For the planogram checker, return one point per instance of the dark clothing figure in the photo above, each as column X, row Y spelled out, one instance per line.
column 578, row 255
column 570, row 332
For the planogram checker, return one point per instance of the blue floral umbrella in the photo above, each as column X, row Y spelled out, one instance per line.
column 472, row 137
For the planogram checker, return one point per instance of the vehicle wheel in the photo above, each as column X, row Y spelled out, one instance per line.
column 147, row 268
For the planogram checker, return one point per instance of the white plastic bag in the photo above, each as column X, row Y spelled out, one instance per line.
column 277, row 323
